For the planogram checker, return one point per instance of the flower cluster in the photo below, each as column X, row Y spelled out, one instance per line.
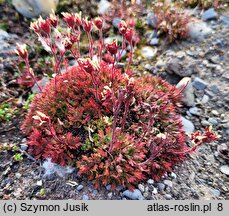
column 116, row 128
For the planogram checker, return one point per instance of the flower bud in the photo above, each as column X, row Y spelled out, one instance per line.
column 77, row 18
column 69, row 19
column 122, row 27
column 87, row 25
column 35, row 27
column 44, row 25
column 112, row 47
column 22, row 51
column 129, row 34
column 98, row 22
column 53, row 20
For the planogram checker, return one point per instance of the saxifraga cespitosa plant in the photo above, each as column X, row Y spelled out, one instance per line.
column 171, row 21
column 118, row 129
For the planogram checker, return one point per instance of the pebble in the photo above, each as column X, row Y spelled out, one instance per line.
column 150, row 181
column 18, row 175
column 85, row 197
column 225, row 21
column 214, row 89
column 168, row 183
column 154, row 41
column 188, row 93
column 195, row 111
column 225, row 169
column 149, row 52
column 209, row 14
column 168, row 197
column 154, row 191
column 135, row 195
column 188, row 126
column 205, row 99
column 23, row 147
column 116, row 21
column 119, row 188
column 109, row 195
column 108, row 187
column 39, row 183
column 205, row 123
column 103, row 6
column 215, row 192
column 173, row 175
column 199, row 84
column 198, row 30
column 80, row 187
column 3, row 35
column 141, row 187
column 160, row 186
column 151, row 20
column 213, row 121
column 31, row 9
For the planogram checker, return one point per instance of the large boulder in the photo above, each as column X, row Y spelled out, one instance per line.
column 34, row 8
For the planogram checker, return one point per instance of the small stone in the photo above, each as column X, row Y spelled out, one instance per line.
column 3, row 35
column 188, row 93
column 214, row 89
column 116, row 21
column 119, row 188
column 225, row 21
column 154, row 41
column 80, row 187
column 18, row 175
column 23, row 147
column 209, row 14
column 151, row 20
column 225, row 169
column 135, row 195
column 205, row 123
column 154, row 191
column 149, row 52
column 215, row 112
column 173, row 175
column 141, row 187
column 150, row 181
column 188, row 126
column 35, row 8
column 215, row 192
column 108, row 187
column 168, row 197
column 145, row 194
column 199, row 84
column 168, row 183
column 39, row 183
column 213, row 121
column 199, row 30
column 103, row 6
column 85, row 197
column 109, row 195
column 160, row 186
column 205, row 99
column 195, row 111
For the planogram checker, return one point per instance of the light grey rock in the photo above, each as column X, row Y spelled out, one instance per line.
column 108, row 187
column 109, row 195
column 116, row 21
column 135, row 195
column 103, row 6
column 188, row 126
column 188, row 93
column 199, row 84
column 18, row 175
column 205, row 99
column 39, row 183
column 34, row 8
column 141, row 187
column 151, row 20
column 195, row 111
column 85, row 197
column 198, row 30
column 3, row 35
column 168, row 197
column 150, row 181
column 80, row 187
column 160, row 186
column 173, row 175
column 119, row 188
column 149, row 52
column 225, row 21
column 183, row 68
column 205, row 123
column 154, row 192
column 23, row 147
column 225, row 169
column 215, row 192
column 42, row 83
column 168, row 183
column 213, row 121
column 154, row 41
column 209, row 14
